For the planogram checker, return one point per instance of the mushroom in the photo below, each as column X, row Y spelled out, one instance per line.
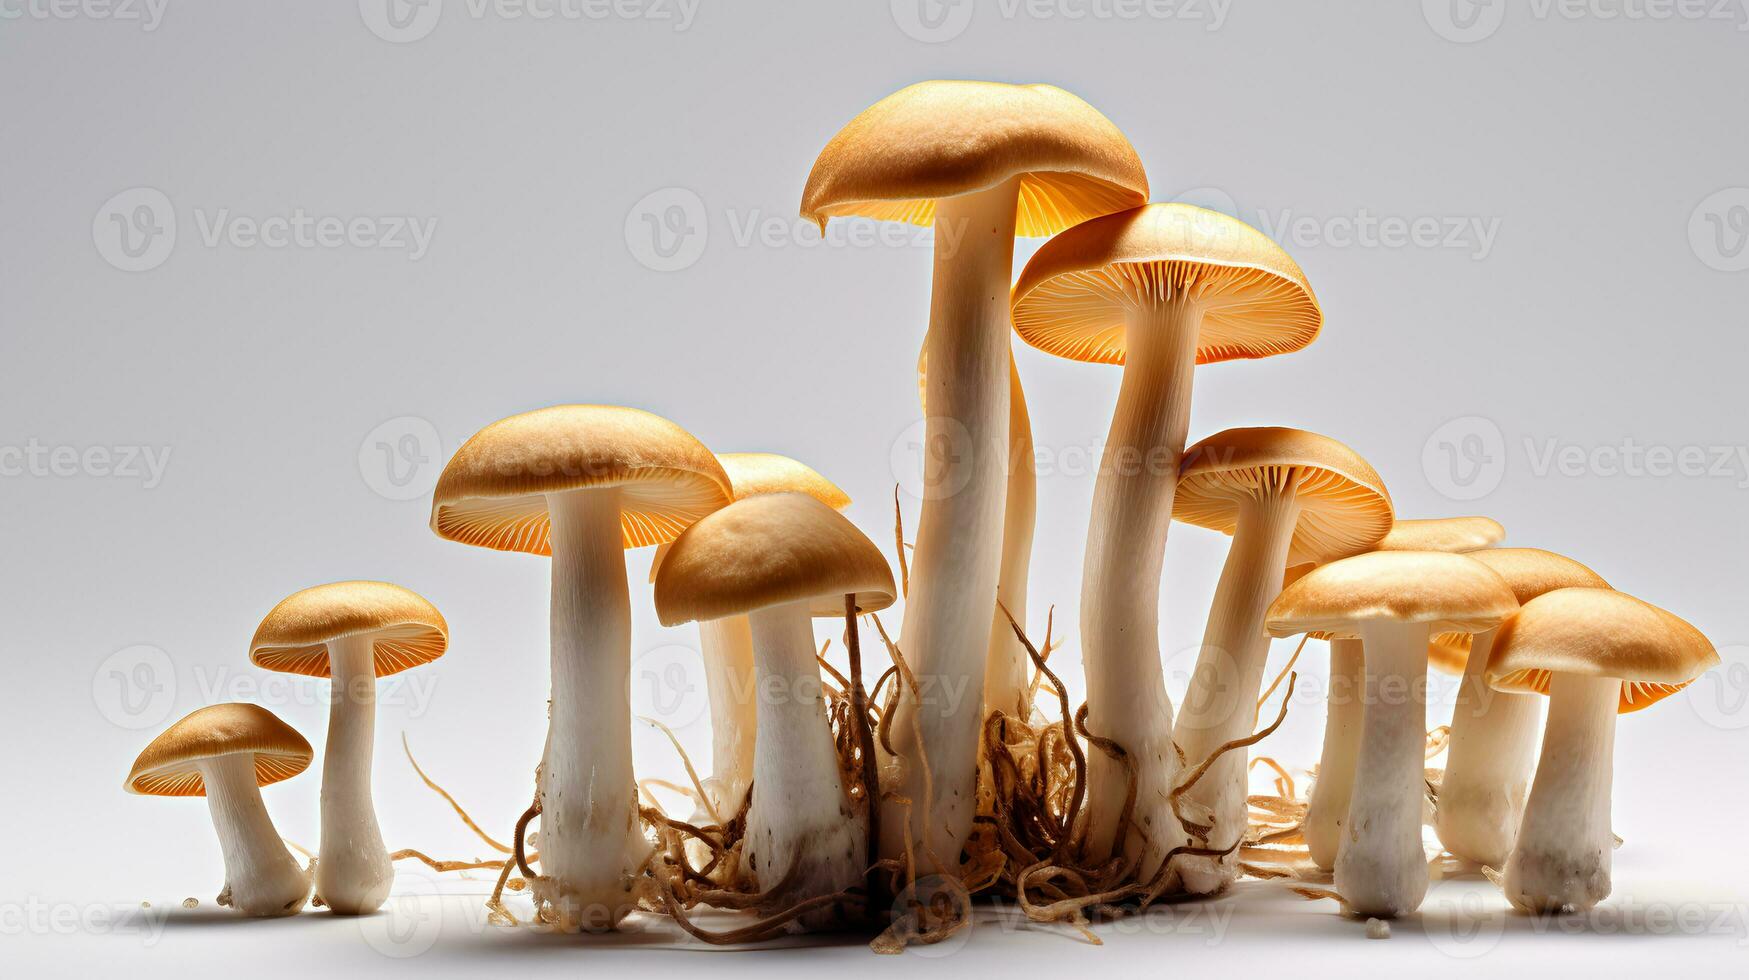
column 581, row 483
column 1157, row 290
column 1492, row 751
column 1596, row 654
column 727, row 643
column 780, row 560
column 226, row 752
column 353, row 632
column 1288, row 497
column 1395, row 601
column 1328, row 810
column 981, row 162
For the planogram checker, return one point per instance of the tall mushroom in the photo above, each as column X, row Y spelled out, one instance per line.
column 1157, row 290
column 1394, row 601
column 1287, row 497
column 582, row 483
column 226, row 752
column 1596, row 654
column 354, row 633
column 780, row 560
column 1328, row 810
column 981, row 162
column 1493, row 733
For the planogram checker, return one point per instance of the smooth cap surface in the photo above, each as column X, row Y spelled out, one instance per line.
column 751, row 474
column 1076, row 291
column 1530, row 572
column 493, row 492
column 1457, row 535
column 766, row 551
column 404, row 628
column 170, row 765
column 946, row 138
column 1599, row 633
column 1450, row 593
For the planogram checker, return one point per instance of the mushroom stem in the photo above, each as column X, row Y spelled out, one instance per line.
column 1220, row 706
column 728, row 670
column 1381, row 868
column 1120, row 590
column 801, row 829
column 952, row 597
column 261, row 876
column 1327, row 814
column 1006, row 685
column 353, row 871
column 1488, row 764
column 1561, row 861
column 590, row 843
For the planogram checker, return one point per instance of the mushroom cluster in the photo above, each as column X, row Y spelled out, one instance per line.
column 829, row 803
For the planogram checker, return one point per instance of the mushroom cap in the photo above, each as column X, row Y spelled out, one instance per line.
column 1344, row 507
column 1451, row 593
column 1073, row 295
column 768, row 550
column 1530, row 572
column 1599, row 633
column 1458, row 535
column 492, row 493
column 751, row 474
column 404, row 628
column 170, row 765
column 946, row 138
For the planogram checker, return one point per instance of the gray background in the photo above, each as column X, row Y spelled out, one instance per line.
column 1600, row 307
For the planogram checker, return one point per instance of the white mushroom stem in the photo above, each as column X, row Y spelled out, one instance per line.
column 729, row 681
column 1007, row 667
column 1488, row 764
column 1561, row 861
column 952, row 597
column 1120, row 586
column 802, row 832
column 1221, row 705
column 1381, row 868
column 353, row 871
column 1327, row 815
column 590, row 842
column 261, row 876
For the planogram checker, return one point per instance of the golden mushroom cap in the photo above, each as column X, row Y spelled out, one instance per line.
column 1074, row 294
column 493, row 491
column 751, row 474
column 1530, row 572
column 1458, row 535
column 1599, row 633
column 1450, row 593
column 170, row 766
column 942, row 139
column 1344, row 507
column 768, row 550
column 405, row 629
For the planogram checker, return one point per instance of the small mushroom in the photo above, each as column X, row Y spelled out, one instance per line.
column 226, row 752
column 354, row 633
column 1492, row 752
column 1395, row 602
column 781, row 560
column 1595, row 653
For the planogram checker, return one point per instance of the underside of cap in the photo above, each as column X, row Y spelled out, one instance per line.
column 1344, row 507
column 493, row 492
column 1457, row 535
column 1599, row 633
column 1076, row 293
column 940, row 139
column 766, row 551
column 405, row 629
column 170, row 765
column 1450, row 593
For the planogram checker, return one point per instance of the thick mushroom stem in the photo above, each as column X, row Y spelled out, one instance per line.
column 353, row 871
column 590, row 843
column 1006, row 667
column 802, row 832
column 1488, row 764
column 1381, row 867
column 1327, row 814
column 1561, row 861
column 261, row 876
column 1222, row 701
column 729, row 682
column 1120, row 590
column 952, row 597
